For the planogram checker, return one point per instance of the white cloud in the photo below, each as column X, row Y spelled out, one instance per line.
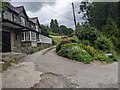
column 61, row 10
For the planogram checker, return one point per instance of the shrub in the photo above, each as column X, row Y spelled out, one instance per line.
column 88, row 33
column 100, row 56
column 115, row 41
column 74, row 51
column 91, row 50
column 104, row 44
column 5, row 65
column 74, row 39
column 114, row 56
column 85, row 53
column 110, row 29
column 66, row 40
column 86, row 42
column 83, row 56
column 9, row 63
column 58, row 47
column 65, row 48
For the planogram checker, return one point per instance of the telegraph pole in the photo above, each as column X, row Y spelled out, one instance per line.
column 74, row 16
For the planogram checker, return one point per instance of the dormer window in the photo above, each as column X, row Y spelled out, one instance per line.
column 36, row 28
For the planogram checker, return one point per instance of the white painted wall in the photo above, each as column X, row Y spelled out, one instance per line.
column 44, row 39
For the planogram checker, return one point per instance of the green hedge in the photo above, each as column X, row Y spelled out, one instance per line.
column 107, row 45
column 75, row 52
column 84, row 53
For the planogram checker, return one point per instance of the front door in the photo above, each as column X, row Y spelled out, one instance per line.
column 6, row 42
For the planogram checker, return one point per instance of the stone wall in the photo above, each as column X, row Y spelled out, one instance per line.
column 15, row 37
column 26, row 44
column 15, row 41
column 30, row 49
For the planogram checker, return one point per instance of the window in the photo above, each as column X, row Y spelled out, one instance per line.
column 16, row 19
column 33, row 36
column 37, row 37
column 27, row 36
column 22, row 36
column 22, row 21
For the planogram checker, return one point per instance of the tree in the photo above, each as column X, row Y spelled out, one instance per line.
column 110, row 29
column 44, row 30
column 97, row 13
column 4, row 5
column 65, row 31
column 118, row 8
column 85, row 8
column 54, row 26
column 70, row 31
column 79, row 27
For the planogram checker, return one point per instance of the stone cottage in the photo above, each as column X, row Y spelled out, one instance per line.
column 18, row 28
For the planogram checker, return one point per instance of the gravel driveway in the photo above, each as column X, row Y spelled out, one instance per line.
column 94, row 75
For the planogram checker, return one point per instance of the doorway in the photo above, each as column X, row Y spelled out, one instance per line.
column 6, row 41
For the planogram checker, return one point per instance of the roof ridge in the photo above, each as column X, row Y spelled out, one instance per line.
column 34, row 18
column 18, row 6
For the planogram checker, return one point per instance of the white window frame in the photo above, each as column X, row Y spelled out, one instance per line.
column 28, row 36
column 33, row 39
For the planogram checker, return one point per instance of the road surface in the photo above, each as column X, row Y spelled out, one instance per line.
column 62, row 72
column 94, row 75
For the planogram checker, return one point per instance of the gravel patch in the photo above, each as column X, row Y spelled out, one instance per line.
column 51, row 80
column 22, row 75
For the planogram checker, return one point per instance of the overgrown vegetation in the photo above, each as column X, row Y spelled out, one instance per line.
column 98, row 38
column 8, row 63
column 83, row 53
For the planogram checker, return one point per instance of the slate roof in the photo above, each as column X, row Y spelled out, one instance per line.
column 34, row 19
column 20, row 9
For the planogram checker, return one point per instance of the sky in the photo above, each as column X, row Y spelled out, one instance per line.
column 54, row 9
